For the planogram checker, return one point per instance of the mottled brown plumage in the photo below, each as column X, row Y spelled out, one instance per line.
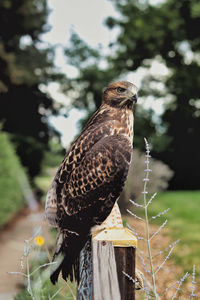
column 92, row 175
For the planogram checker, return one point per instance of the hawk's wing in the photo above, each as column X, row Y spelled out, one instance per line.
column 80, row 147
column 87, row 197
column 92, row 186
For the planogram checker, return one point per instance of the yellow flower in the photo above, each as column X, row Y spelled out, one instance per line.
column 39, row 240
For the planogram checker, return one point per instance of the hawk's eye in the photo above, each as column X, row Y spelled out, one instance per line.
column 121, row 90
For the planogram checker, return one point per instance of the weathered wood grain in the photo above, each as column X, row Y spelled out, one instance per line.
column 125, row 262
column 105, row 281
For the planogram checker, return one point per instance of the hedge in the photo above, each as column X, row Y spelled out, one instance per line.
column 11, row 196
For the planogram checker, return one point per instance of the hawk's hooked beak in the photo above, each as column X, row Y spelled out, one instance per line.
column 134, row 98
column 133, row 94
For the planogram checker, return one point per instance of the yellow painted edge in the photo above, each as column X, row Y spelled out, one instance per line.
column 130, row 243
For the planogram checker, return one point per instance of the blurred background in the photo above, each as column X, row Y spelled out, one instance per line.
column 56, row 57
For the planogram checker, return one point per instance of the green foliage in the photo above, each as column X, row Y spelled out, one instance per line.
column 168, row 33
column 183, row 223
column 43, row 288
column 54, row 156
column 47, row 290
column 25, row 64
column 22, row 62
column 91, row 79
column 37, row 273
column 52, row 159
column 11, row 197
column 95, row 73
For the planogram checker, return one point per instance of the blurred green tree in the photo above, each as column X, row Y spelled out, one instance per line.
column 168, row 33
column 95, row 71
column 25, row 64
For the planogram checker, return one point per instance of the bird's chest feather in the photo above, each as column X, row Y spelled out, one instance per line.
column 124, row 125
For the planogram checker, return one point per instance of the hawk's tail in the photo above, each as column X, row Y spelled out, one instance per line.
column 68, row 247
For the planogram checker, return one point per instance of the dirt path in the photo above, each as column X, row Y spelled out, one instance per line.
column 11, row 249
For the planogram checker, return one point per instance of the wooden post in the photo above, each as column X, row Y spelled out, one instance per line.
column 105, row 280
column 118, row 260
column 107, row 269
column 125, row 261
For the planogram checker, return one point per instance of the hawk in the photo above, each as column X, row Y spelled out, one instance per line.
column 91, row 176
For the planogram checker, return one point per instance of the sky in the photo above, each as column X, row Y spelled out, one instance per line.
column 87, row 19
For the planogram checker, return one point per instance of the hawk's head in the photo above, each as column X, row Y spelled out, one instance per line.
column 120, row 94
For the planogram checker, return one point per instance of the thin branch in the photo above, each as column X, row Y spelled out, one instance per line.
column 172, row 245
column 136, row 204
column 42, row 266
column 17, row 273
column 22, row 262
column 159, row 229
column 147, row 292
column 161, row 213
column 29, row 288
column 129, row 277
column 157, row 254
column 135, row 233
column 168, row 288
column 56, row 293
column 166, row 249
column 193, row 295
column 144, row 264
column 134, row 215
column 71, row 292
column 34, row 235
column 147, row 170
column 68, row 286
column 180, row 282
column 151, row 199
column 166, row 258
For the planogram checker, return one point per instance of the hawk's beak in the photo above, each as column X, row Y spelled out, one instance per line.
column 134, row 98
column 133, row 93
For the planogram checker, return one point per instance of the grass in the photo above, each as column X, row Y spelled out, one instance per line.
column 61, row 291
column 183, row 223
